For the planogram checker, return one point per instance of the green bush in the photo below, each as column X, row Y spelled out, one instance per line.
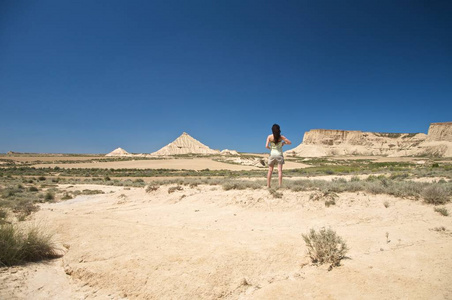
column 325, row 246
column 20, row 246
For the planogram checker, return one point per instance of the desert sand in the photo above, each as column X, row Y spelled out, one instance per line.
column 207, row 243
column 199, row 163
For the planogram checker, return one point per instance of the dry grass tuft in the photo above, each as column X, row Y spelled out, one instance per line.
column 325, row 246
column 20, row 245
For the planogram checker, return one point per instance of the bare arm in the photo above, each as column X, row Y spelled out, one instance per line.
column 286, row 141
column 268, row 141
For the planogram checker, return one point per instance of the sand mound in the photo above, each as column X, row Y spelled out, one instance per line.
column 185, row 144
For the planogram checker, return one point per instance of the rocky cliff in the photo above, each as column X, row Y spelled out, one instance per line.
column 440, row 132
column 322, row 142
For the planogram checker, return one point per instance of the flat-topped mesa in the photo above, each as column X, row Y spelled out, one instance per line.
column 440, row 132
column 185, row 144
column 330, row 137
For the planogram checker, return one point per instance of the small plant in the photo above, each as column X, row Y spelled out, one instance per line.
column 325, row 246
column 275, row 193
column 386, row 204
column 440, row 229
column 174, row 188
column 328, row 196
column 435, row 194
column 33, row 189
column 442, row 210
column 3, row 215
column 151, row 188
column 328, row 203
column 66, row 196
column 92, row 192
column 49, row 196
column 41, row 178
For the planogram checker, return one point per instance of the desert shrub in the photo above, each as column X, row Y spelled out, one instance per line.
column 275, row 193
column 33, row 189
column 66, row 196
column 25, row 207
column 386, row 204
column 174, row 188
column 41, row 178
column 151, row 188
column 18, row 246
column 49, row 196
column 92, row 192
column 354, row 178
column 441, row 210
column 3, row 215
column 325, row 246
column 323, row 195
column 435, row 194
column 328, row 203
column 241, row 185
column 399, row 176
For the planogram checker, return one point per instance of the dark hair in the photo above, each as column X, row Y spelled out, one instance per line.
column 276, row 133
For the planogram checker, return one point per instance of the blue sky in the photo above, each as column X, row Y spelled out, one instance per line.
column 89, row 76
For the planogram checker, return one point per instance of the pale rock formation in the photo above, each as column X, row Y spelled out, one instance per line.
column 185, row 144
column 229, row 152
column 119, row 152
column 321, row 142
column 440, row 132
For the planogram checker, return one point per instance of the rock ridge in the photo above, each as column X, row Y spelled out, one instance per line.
column 331, row 142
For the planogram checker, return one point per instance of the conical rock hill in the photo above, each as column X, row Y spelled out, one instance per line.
column 185, row 144
column 118, row 152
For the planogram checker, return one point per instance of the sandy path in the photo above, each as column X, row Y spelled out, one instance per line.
column 206, row 243
column 178, row 164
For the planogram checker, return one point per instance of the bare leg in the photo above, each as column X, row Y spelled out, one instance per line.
column 280, row 174
column 269, row 176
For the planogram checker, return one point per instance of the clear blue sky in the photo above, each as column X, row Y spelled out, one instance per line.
column 89, row 76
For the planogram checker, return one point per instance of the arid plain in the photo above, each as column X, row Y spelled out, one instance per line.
column 201, row 227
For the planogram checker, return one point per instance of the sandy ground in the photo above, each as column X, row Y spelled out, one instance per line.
column 206, row 243
column 181, row 163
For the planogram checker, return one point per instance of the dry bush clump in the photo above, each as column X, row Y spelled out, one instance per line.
column 325, row 246
column 441, row 210
column 275, row 193
column 241, row 185
column 435, row 194
column 327, row 196
column 151, row 188
column 20, row 245
column 174, row 188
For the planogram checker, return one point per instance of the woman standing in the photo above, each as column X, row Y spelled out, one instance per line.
column 275, row 142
